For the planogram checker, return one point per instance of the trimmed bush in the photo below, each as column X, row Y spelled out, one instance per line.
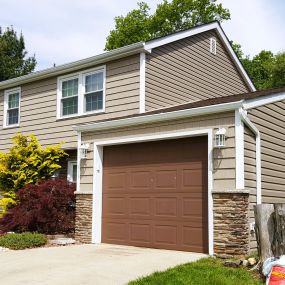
column 23, row 240
column 47, row 208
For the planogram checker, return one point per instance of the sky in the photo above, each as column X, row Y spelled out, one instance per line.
column 62, row 31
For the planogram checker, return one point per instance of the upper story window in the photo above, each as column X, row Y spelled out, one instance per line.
column 12, row 107
column 82, row 93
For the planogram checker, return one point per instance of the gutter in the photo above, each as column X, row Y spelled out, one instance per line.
column 254, row 129
column 145, row 119
column 70, row 67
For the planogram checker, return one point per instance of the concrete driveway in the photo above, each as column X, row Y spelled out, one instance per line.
column 86, row 264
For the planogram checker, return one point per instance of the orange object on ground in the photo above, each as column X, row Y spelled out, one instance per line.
column 277, row 276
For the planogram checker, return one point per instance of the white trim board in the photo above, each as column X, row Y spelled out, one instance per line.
column 239, row 144
column 142, row 82
column 197, row 30
column 263, row 100
column 98, row 177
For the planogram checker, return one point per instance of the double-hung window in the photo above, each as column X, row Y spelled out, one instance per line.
column 12, row 107
column 81, row 94
column 93, row 91
column 69, row 97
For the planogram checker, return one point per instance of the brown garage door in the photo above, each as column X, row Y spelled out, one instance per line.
column 155, row 194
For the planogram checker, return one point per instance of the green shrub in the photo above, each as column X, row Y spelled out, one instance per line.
column 23, row 240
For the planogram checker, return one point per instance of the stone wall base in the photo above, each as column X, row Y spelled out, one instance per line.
column 83, row 218
column 231, row 228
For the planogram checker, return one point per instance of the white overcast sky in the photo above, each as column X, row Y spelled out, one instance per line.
column 61, row 31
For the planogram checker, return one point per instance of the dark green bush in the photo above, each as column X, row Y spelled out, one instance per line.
column 23, row 240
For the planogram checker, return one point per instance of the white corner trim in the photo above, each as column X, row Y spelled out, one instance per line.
column 98, row 176
column 142, row 81
column 78, row 161
column 97, row 194
column 254, row 129
column 239, row 142
column 264, row 100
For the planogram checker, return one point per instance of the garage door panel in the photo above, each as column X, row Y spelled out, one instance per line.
column 140, row 207
column 140, row 233
column 155, row 194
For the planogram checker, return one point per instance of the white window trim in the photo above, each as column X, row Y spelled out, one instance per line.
column 81, row 94
column 70, row 165
column 6, row 95
column 98, row 177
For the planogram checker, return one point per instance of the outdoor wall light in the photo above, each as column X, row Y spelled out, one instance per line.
column 220, row 138
column 83, row 150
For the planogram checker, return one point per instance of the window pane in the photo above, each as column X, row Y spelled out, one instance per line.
column 94, row 101
column 69, row 106
column 94, row 82
column 70, row 88
column 13, row 101
column 74, row 172
column 13, row 117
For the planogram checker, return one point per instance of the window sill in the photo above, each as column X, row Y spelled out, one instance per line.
column 11, row 126
column 81, row 115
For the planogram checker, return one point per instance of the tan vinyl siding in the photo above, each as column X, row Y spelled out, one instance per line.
column 39, row 99
column 224, row 159
column 186, row 71
column 270, row 120
column 250, row 177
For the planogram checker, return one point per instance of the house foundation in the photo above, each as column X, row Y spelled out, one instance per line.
column 231, row 228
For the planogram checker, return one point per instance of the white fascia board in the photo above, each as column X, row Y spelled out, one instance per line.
column 235, row 58
column 159, row 117
column 73, row 66
column 264, row 100
column 197, row 30
column 180, row 35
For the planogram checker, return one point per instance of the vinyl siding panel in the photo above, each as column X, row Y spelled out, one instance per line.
column 38, row 106
column 250, row 177
column 223, row 159
column 186, row 71
column 270, row 120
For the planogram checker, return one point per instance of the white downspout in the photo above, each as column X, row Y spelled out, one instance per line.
column 254, row 129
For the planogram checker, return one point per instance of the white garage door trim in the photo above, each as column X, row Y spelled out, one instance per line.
column 98, row 176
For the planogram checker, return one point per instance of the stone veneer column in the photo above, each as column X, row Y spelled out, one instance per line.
column 231, row 222
column 83, row 217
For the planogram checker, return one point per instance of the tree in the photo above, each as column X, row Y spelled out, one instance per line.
column 27, row 162
column 169, row 17
column 13, row 61
column 265, row 69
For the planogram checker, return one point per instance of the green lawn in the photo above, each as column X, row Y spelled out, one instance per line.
column 207, row 271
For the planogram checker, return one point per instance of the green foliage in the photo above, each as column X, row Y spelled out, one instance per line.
column 13, row 61
column 169, row 17
column 265, row 69
column 27, row 163
column 206, row 271
column 23, row 240
column 7, row 202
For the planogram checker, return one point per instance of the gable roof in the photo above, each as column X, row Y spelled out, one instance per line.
column 198, row 108
column 130, row 50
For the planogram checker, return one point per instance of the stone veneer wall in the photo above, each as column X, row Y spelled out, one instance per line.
column 83, row 218
column 231, row 228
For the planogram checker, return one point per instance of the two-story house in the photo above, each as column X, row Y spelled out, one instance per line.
column 170, row 144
